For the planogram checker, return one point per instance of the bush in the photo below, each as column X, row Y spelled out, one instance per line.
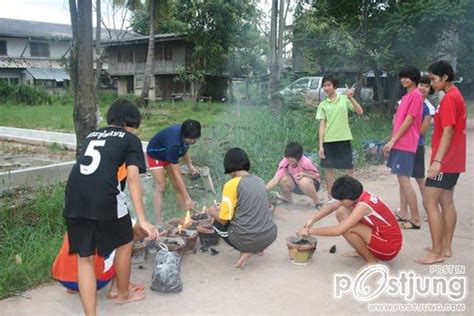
column 24, row 94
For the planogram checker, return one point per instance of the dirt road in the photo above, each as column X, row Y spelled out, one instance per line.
column 271, row 284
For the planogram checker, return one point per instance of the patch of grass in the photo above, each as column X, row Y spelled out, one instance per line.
column 31, row 228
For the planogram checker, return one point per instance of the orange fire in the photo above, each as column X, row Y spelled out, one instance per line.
column 187, row 219
column 180, row 227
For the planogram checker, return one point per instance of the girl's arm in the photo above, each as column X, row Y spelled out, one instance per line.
column 322, row 132
column 446, row 138
column 354, row 218
column 272, row 183
column 214, row 212
column 355, row 105
column 399, row 133
column 425, row 124
column 136, row 195
column 323, row 212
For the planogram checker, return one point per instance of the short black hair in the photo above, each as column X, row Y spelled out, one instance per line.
column 124, row 113
column 191, row 129
column 331, row 79
column 346, row 188
column 410, row 72
column 441, row 68
column 425, row 79
column 294, row 150
column 236, row 159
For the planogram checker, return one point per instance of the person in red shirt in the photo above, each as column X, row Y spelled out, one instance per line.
column 448, row 160
column 365, row 221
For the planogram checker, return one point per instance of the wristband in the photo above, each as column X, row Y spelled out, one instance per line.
column 435, row 160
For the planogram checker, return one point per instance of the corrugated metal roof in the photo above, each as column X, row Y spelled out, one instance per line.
column 58, row 75
column 23, row 28
column 24, row 62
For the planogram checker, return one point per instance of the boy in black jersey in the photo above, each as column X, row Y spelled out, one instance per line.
column 95, row 209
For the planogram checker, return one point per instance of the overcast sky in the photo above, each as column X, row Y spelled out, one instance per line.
column 57, row 11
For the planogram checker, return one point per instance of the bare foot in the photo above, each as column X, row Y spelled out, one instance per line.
column 430, row 258
column 133, row 296
column 446, row 252
column 351, row 254
column 244, row 257
column 132, row 287
column 69, row 291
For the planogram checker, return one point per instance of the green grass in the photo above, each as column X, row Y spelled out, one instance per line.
column 33, row 228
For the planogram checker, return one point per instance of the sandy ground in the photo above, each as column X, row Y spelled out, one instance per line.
column 271, row 284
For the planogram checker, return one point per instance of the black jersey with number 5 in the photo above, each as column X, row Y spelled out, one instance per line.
column 93, row 190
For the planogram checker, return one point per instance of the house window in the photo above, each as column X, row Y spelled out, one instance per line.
column 14, row 81
column 3, row 47
column 125, row 55
column 164, row 52
column 140, row 54
column 39, row 49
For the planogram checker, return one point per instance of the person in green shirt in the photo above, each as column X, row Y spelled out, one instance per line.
column 335, row 134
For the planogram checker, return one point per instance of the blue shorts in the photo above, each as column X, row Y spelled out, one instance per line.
column 401, row 162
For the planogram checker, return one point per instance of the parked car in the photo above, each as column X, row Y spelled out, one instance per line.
column 310, row 89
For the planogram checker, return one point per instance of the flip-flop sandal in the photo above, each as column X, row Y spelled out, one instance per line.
column 404, row 225
column 400, row 219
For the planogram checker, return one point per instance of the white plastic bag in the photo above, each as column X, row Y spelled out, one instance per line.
column 166, row 277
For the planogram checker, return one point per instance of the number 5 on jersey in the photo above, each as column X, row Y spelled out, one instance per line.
column 92, row 152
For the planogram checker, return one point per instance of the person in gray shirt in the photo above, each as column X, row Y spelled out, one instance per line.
column 243, row 219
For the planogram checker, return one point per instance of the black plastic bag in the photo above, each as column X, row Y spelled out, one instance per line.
column 166, row 277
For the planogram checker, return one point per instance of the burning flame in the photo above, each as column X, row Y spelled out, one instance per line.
column 187, row 219
column 180, row 227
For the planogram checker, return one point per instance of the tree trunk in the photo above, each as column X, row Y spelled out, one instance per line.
column 380, row 88
column 275, row 101
column 150, row 59
column 82, row 71
column 98, row 47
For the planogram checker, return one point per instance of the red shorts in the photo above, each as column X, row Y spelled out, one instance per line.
column 156, row 164
column 382, row 248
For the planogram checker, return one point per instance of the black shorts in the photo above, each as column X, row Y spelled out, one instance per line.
column 445, row 181
column 419, row 164
column 338, row 155
column 88, row 237
column 297, row 189
column 221, row 230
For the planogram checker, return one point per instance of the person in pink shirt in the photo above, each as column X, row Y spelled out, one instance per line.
column 296, row 173
column 402, row 146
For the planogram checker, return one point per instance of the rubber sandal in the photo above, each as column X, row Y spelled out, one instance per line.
column 400, row 219
column 412, row 225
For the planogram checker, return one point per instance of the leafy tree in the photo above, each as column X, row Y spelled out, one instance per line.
column 222, row 34
column 379, row 35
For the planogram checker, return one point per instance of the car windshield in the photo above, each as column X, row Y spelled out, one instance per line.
column 300, row 84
